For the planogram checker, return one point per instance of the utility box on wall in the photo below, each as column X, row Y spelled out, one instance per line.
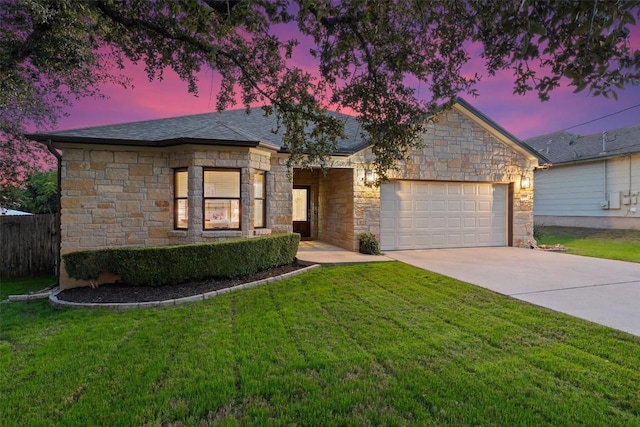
column 614, row 200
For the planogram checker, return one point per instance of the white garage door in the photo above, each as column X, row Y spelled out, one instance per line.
column 425, row 215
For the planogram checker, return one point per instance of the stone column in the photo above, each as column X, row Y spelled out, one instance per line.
column 195, row 202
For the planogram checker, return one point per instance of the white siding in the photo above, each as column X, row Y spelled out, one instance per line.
column 578, row 190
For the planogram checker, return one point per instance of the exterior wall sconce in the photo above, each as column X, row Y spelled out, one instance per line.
column 370, row 177
column 525, row 183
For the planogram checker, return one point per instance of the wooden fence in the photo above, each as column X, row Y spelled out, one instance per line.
column 28, row 245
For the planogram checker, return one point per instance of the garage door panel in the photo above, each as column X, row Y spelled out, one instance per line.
column 469, row 189
column 484, row 206
column 438, row 240
column 471, row 238
column 421, row 206
column 485, row 222
column 485, row 190
column 438, row 222
column 454, row 223
column 454, row 205
column 387, row 206
column 454, row 189
column 388, row 224
column 470, row 206
column 405, row 223
column 405, row 206
column 442, row 214
column 470, row 223
column 454, row 239
column 421, row 223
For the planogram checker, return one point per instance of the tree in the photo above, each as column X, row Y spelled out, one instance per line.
column 37, row 194
column 369, row 57
column 40, row 195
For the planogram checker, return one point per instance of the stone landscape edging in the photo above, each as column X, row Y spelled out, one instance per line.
column 54, row 301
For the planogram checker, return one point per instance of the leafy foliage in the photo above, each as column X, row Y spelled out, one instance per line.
column 38, row 194
column 156, row 266
column 371, row 57
column 368, row 243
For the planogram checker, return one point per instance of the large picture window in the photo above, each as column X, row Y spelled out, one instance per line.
column 180, row 199
column 259, row 199
column 221, row 199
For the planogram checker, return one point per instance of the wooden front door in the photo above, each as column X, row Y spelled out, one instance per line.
column 302, row 211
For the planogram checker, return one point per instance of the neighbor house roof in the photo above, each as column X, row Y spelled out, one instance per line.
column 12, row 212
column 564, row 147
column 229, row 128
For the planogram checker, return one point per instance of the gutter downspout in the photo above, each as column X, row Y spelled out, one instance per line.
column 57, row 155
column 605, row 195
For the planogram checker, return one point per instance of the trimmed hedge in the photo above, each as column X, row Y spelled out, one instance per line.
column 164, row 265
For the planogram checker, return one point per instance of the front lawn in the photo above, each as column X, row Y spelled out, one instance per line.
column 623, row 245
column 24, row 285
column 367, row 344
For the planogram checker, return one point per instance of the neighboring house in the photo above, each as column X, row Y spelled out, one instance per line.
column 224, row 175
column 594, row 180
column 12, row 212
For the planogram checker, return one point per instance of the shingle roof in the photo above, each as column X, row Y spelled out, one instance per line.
column 231, row 127
column 565, row 147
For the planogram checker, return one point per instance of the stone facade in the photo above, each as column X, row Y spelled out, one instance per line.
column 454, row 148
column 118, row 197
column 336, row 208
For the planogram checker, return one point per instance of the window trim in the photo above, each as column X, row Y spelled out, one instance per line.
column 205, row 199
column 263, row 198
column 176, row 225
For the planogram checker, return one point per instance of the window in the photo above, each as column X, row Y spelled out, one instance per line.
column 221, row 199
column 259, row 196
column 180, row 199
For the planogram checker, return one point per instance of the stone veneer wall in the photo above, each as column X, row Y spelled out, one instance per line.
column 120, row 196
column 336, row 214
column 114, row 198
column 279, row 196
column 455, row 149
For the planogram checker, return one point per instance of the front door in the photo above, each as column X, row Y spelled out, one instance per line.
column 302, row 211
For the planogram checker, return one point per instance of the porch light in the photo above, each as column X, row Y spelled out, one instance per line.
column 525, row 182
column 370, row 176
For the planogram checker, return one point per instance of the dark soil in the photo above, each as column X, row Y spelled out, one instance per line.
column 121, row 293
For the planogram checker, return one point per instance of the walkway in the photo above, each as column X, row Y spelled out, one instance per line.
column 324, row 253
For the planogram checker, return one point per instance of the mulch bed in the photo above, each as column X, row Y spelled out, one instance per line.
column 121, row 293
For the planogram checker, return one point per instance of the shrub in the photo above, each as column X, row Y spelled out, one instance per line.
column 163, row 265
column 538, row 230
column 368, row 243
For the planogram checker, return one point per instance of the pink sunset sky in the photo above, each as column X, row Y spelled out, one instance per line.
column 523, row 116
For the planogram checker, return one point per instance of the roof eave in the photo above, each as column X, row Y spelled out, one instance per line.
column 595, row 159
column 506, row 136
column 165, row 143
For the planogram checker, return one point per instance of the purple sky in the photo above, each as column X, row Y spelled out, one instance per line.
column 524, row 116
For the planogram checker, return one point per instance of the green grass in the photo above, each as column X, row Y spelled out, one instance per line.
column 24, row 285
column 368, row 344
column 623, row 245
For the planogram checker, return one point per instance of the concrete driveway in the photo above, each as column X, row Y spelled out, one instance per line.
column 602, row 291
